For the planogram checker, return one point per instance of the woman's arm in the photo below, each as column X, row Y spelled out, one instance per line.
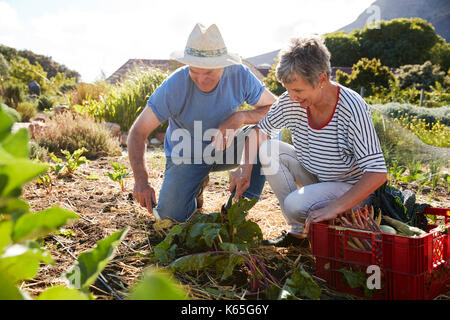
column 369, row 182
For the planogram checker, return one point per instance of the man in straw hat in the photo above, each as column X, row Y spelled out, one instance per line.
column 201, row 102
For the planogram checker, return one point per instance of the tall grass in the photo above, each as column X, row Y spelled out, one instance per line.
column 123, row 103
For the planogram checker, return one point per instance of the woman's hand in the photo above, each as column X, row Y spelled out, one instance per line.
column 322, row 214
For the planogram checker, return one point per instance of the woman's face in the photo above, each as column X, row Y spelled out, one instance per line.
column 303, row 92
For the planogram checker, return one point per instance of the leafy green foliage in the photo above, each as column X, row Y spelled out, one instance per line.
column 398, row 42
column 50, row 66
column 62, row 293
column 11, row 112
column 123, row 103
column 157, row 285
column 300, row 285
column 73, row 161
column 368, row 74
column 344, row 49
column 20, row 255
column 232, row 233
column 90, row 264
column 356, row 279
column 272, row 82
column 118, row 174
column 420, row 76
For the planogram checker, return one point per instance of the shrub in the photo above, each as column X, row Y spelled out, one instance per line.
column 38, row 152
column 4, row 68
column 368, row 74
column 85, row 92
column 11, row 112
column 420, row 76
column 344, row 49
column 272, row 82
column 45, row 103
column 71, row 132
column 14, row 92
column 27, row 110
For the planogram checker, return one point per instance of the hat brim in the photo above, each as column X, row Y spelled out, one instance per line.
column 207, row 62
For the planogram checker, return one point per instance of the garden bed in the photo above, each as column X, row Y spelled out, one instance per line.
column 103, row 209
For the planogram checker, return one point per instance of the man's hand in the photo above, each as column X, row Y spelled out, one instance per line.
column 145, row 195
column 226, row 132
column 240, row 180
column 322, row 214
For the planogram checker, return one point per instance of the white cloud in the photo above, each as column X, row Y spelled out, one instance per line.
column 9, row 20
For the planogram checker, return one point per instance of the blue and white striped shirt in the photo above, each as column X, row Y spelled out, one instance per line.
column 342, row 150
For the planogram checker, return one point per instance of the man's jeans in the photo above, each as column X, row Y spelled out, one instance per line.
column 182, row 182
column 298, row 191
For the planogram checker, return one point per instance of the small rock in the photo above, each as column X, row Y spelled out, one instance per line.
column 60, row 109
column 114, row 128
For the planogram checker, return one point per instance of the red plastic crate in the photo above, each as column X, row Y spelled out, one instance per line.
column 410, row 268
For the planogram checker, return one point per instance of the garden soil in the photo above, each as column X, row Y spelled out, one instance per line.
column 103, row 209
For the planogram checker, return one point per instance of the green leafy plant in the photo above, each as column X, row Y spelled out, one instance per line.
column 216, row 241
column 118, row 174
column 395, row 172
column 73, row 161
column 21, row 255
column 46, row 181
column 300, row 284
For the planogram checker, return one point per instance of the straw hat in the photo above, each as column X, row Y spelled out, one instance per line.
column 206, row 49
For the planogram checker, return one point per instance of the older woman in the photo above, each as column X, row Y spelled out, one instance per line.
column 335, row 162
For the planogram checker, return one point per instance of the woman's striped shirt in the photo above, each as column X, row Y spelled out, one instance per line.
column 343, row 150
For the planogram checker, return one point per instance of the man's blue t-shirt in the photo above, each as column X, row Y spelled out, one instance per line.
column 192, row 112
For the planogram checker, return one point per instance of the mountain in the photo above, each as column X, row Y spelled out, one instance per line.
column 47, row 63
column 436, row 12
column 264, row 61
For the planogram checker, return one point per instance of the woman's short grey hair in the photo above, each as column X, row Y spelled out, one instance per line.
column 307, row 57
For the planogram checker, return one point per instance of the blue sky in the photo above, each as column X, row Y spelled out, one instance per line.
column 95, row 36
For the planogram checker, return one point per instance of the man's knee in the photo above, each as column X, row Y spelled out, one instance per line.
column 170, row 206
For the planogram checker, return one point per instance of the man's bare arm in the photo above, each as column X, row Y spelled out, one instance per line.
column 139, row 132
column 229, row 127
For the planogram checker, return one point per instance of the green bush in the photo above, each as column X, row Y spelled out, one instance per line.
column 4, row 68
column 45, row 103
column 344, row 49
column 67, row 131
column 11, row 112
column 368, row 74
column 272, row 83
column 27, row 110
column 398, row 42
column 14, row 93
column 420, row 76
